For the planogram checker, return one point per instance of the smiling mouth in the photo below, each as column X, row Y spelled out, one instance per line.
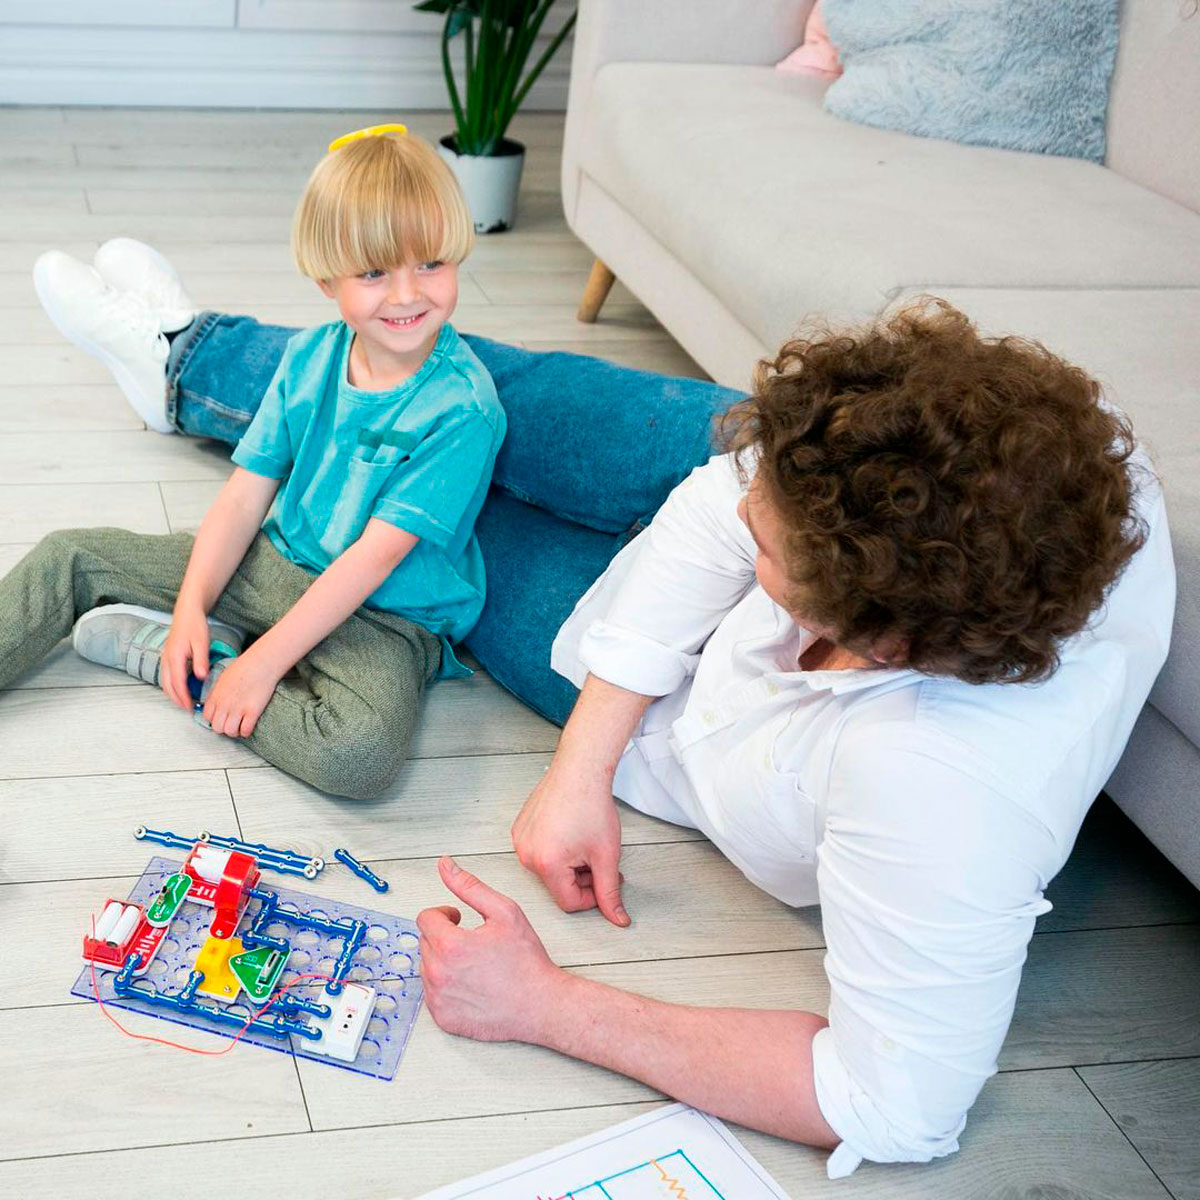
column 402, row 322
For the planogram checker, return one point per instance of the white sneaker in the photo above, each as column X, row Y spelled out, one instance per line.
column 132, row 266
column 118, row 328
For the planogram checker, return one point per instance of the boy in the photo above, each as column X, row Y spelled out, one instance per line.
column 343, row 544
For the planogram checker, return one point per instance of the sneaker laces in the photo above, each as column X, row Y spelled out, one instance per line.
column 133, row 314
column 165, row 295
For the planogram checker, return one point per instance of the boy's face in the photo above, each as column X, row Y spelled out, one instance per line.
column 396, row 314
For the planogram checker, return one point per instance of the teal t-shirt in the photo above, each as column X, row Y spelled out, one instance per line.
column 419, row 456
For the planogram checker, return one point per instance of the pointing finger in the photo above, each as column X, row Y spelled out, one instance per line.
column 486, row 901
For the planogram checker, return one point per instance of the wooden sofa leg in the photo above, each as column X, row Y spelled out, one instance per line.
column 599, row 284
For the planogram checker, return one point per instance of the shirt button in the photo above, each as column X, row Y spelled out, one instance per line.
column 772, row 689
column 710, row 717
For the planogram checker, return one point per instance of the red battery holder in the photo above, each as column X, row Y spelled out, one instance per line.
column 144, row 940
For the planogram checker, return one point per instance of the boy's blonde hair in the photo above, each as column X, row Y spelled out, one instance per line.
column 378, row 202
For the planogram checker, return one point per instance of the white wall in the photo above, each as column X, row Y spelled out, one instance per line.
column 236, row 53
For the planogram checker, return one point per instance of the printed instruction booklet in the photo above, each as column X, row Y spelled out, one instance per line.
column 676, row 1152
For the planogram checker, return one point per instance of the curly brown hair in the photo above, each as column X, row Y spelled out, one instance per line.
column 967, row 496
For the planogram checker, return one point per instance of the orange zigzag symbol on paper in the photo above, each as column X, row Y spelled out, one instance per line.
column 673, row 1185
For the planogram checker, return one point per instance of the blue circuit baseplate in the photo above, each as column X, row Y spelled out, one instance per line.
column 388, row 960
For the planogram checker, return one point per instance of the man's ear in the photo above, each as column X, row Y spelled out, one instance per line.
column 891, row 650
column 326, row 287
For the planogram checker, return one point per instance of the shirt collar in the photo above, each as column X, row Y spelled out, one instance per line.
column 851, row 679
column 855, row 679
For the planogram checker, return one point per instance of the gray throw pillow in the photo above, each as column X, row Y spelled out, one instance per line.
column 1021, row 74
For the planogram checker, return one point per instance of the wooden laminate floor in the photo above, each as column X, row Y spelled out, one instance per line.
column 1098, row 1094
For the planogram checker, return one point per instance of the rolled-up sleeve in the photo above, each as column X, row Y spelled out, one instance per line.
column 643, row 623
column 930, row 882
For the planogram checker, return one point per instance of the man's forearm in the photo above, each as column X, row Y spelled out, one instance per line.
column 752, row 1066
column 603, row 720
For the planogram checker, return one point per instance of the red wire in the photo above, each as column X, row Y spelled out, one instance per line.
column 145, row 1037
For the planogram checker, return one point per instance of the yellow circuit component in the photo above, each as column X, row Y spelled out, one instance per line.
column 219, row 980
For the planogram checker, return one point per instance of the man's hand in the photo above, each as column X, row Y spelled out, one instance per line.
column 240, row 694
column 569, row 834
column 496, row 982
column 185, row 651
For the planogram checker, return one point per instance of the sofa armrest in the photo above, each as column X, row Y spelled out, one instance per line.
column 702, row 31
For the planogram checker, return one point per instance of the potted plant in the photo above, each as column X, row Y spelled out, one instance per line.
column 498, row 39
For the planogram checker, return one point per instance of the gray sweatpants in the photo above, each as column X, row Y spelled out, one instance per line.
column 342, row 720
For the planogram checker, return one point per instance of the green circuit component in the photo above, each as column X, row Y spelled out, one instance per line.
column 168, row 901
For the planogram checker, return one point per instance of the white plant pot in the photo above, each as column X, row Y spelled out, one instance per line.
column 490, row 183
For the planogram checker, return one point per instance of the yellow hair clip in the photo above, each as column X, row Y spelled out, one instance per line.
column 370, row 131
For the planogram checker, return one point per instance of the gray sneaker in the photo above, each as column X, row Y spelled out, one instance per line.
column 131, row 639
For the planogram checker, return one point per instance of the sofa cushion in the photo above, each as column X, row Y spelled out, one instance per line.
column 1142, row 346
column 1017, row 73
column 845, row 215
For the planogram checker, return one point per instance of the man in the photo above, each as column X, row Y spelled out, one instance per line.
column 884, row 654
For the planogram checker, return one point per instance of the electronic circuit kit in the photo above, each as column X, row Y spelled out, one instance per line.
column 209, row 943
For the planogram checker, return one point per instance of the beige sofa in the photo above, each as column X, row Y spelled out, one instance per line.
column 724, row 196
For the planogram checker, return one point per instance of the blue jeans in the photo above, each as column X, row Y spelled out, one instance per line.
column 592, row 450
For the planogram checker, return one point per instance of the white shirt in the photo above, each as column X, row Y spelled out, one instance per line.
column 924, row 814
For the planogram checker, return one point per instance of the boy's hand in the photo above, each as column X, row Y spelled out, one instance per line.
column 569, row 834
column 185, row 650
column 240, row 694
column 495, row 982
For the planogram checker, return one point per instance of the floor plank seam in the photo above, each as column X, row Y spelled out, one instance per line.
column 568, row 965
column 1104, row 1062
column 247, row 766
column 433, row 858
column 1045, row 933
column 382, row 858
column 1121, row 1128
column 303, row 1096
column 333, row 1130
column 237, row 816
column 58, row 687
column 162, row 503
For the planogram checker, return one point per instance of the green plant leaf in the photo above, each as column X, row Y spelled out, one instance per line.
column 445, row 6
column 496, row 54
column 451, row 86
column 457, row 21
column 540, row 65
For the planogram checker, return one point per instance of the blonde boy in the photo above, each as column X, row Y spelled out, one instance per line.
column 339, row 563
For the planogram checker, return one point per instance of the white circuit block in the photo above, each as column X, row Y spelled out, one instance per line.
column 209, row 862
column 342, row 1031
column 108, row 920
column 121, row 931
